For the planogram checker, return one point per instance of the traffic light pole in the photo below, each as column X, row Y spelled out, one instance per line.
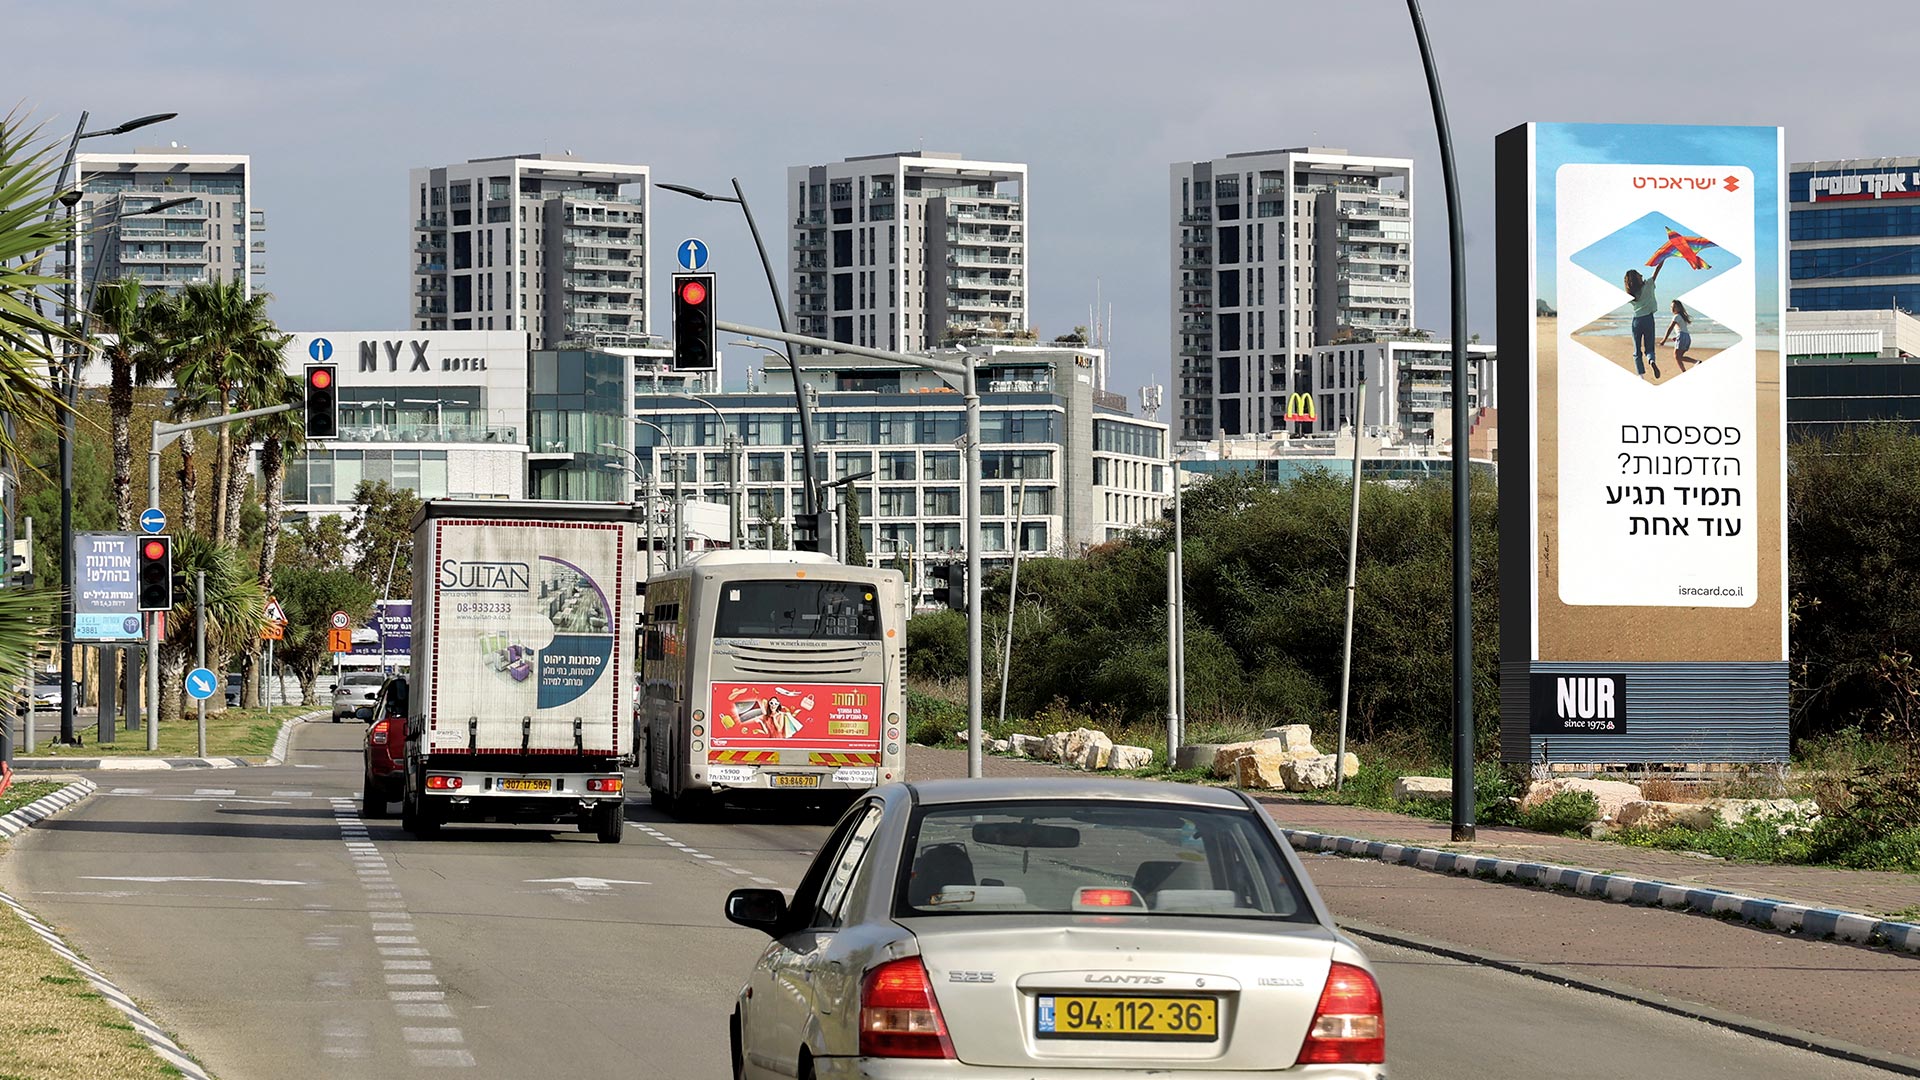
column 964, row 371
column 164, row 435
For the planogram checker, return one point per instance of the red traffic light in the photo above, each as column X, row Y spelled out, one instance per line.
column 693, row 292
column 320, row 378
column 155, row 549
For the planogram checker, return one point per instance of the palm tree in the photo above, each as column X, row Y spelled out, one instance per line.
column 137, row 321
column 228, row 336
column 277, row 434
column 27, row 233
column 261, row 381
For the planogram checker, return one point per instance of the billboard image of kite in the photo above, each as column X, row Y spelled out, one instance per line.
column 1687, row 247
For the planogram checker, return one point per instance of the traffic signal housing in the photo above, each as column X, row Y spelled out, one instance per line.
column 950, row 584
column 154, row 573
column 806, row 532
column 322, row 401
column 693, row 322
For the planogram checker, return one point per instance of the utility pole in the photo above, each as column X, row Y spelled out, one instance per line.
column 1353, row 563
column 200, row 651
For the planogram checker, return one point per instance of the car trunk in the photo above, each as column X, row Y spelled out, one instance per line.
column 1119, row 989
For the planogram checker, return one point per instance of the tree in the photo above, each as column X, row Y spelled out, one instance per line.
column 229, row 360
column 276, row 434
column 27, row 403
column 235, row 610
column 773, row 531
column 382, row 536
column 135, row 324
column 310, row 595
column 856, row 553
column 318, row 543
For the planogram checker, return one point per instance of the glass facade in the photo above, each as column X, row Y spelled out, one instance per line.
column 1872, row 203
column 1823, row 399
column 327, row 476
column 578, row 403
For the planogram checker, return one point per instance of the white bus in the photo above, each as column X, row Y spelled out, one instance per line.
column 769, row 674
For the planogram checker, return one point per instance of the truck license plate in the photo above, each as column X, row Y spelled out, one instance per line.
column 515, row 783
column 796, row 780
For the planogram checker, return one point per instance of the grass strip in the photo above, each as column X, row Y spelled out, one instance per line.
column 230, row 733
column 22, row 792
column 53, row 1026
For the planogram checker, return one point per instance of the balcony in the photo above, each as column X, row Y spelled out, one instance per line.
column 430, row 311
column 574, row 258
column 437, row 221
column 1194, row 305
column 572, row 284
column 1364, row 211
column 810, row 309
column 811, row 287
column 984, row 213
column 1197, row 240
column 1203, row 217
column 428, row 433
column 811, row 243
column 434, row 246
column 1196, row 264
column 430, row 268
column 805, row 265
column 1196, row 326
column 972, row 258
column 127, row 256
column 982, row 303
column 605, row 307
column 981, row 281
column 985, row 237
column 1196, row 349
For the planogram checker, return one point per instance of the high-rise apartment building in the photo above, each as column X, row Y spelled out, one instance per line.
column 1257, row 237
column 545, row 243
column 905, row 251
column 1852, row 229
column 212, row 237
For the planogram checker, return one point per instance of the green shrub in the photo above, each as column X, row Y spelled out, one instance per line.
column 937, row 646
column 1563, row 812
column 932, row 721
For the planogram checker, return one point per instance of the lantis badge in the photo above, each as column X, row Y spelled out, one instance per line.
column 1578, row 704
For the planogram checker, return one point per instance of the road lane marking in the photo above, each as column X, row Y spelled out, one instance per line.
column 443, row 1058
column 165, row 879
column 213, row 791
column 584, row 884
column 424, row 1012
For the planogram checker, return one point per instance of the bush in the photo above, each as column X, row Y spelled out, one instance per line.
column 937, row 646
column 932, row 721
column 1564, row 812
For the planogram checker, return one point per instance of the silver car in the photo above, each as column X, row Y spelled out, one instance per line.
column 354, row 691
column 1053, row 929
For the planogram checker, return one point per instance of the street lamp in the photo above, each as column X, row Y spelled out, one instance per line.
column 780, row 310
column 70, row 392
column 648, row 498
column 737, row 464
column 439, row 413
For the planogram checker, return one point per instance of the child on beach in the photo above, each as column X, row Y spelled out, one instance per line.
column 1683, row 321
column 1641, row 291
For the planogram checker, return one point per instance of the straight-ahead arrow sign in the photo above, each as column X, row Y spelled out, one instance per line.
column 585, row 884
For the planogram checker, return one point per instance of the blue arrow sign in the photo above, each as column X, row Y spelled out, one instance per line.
column 200, row 684
column 320, row 349
column 693, row 254
column 153, row 520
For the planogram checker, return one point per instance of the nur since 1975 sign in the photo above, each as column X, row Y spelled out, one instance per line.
column 1642, row 492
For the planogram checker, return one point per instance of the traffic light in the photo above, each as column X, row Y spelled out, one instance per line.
column 322, row 402
column 806, row 532
column 155, row 572
column 693, row 322
column 950, row 584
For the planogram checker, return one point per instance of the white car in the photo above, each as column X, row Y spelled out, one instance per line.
column 355, row 691
column 1054, row 929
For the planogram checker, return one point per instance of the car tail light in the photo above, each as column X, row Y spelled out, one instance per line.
column 609, row 784
column 1348, row 1025
column 379, row 734
column 1099, row 898
column 443, row 783
column 898, row 1014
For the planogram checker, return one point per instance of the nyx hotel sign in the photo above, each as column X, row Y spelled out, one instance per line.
column 371, row 353
column 1578, row 704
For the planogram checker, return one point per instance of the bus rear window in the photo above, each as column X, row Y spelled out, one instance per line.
column 821, row 610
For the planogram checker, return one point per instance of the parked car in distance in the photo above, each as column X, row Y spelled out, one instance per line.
column 236, row 682
column 354, row 690
column 386, row 748
column 1016, row 928
column 46, row 691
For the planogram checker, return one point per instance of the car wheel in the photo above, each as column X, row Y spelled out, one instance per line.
column 733, row 1045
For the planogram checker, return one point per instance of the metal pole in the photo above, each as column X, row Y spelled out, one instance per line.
column 200, row 653
column 1013, row 594
column 799, row 392
column 1173, row 678
column 648, row 497
column 1179, row 613
column 1353, row 563
column 106, row 707
column 737, row 526
column 69, row 395
column 269, row 682
column 971, row 388
column 153, row 617
column 1463, row 795
column 679, row 511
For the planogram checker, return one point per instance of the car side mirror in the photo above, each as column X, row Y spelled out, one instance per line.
column 364, row 712
column 764, row 910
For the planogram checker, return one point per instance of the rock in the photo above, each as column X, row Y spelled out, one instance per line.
column 1644, row 814
column 1349, row 765
column 1226, row 758
column 1000, row 746
column 1195, row 756
column 1792, row 815
column 1610, row 794
column 1130, row 757
column 1258, row 770
column 962, row 737
column 1307, row 774
column 1026, row 745
column 1295, row 736
column 1053, row 747
column 1598, row 830
column 1086, row 748
column 1427, row 788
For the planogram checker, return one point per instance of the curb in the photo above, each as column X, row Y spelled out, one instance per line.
column 162, row 1045
column 13, row 824
column 1786, row 1036
column 283, row 742
column 147, row 764
column 1752, row 910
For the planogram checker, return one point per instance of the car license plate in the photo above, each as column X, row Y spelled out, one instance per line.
column 1101, row 1016
column 514, row 783
column 796, row 780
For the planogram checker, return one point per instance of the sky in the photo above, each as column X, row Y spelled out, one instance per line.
column 336, row 101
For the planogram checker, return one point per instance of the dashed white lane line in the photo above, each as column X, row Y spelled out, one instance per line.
column 704, row 858
column 213, row 791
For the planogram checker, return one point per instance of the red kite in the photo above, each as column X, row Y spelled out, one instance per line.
column 1682, row 246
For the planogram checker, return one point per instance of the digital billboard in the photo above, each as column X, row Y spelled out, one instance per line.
column 1643, row 538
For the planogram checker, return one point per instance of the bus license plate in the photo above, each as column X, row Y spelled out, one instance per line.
column 515, row 783
column 1118, row 1017
column 796, row 780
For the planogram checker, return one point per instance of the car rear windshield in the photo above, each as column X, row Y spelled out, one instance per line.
column 362, row 680
column 832, row 610
column 1071, row 856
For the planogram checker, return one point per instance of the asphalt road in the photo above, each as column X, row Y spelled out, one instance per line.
column 279, row 935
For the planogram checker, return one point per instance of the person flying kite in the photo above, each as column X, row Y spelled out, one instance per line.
column 1685, row 247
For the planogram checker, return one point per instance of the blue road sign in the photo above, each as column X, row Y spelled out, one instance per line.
column 153, row 520
column 693, row 254
column 320, row 349
column 200, row 684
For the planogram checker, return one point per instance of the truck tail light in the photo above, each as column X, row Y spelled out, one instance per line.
column 613, row 783
column 443, row 783
column 1348, row 1026
column 898, row 1014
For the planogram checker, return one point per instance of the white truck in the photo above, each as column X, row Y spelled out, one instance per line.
column 522, row 674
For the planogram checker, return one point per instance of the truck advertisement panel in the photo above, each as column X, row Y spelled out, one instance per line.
column 525, row 623
column 830, row 721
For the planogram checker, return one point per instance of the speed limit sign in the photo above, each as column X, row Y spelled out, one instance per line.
column 339, row 620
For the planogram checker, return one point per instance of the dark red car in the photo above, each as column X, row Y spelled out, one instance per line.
column 386, row 754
